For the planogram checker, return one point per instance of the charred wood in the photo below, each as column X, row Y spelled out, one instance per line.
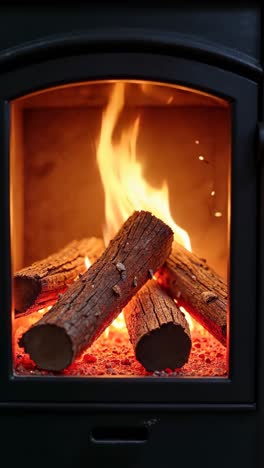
column 94, row 301
column 158, row 330
column 40, row 284
column 198, row 288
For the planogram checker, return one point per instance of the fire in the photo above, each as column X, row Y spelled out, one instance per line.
column 117, row 324
column 125, row 187
column 87, row 263
column 44, row 310
column 187, row 316
column 126, row 190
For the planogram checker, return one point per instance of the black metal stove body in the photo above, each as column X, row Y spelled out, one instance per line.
column 151, row 422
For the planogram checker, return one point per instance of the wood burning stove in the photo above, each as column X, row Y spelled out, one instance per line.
column 98, row 109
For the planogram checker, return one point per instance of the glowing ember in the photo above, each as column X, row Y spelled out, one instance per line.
column 22, row 324
column 114, row 356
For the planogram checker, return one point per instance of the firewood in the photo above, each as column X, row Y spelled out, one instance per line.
column 39, row 285
column 158, row 330
column 199, row 289
column 95, row 300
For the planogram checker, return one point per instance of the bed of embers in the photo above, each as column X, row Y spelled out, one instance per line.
column 112, row 355
column 153, row 280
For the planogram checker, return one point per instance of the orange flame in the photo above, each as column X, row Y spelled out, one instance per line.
column 87, row 263
column 125, row 188
column 44, row 310
column 188, row 317
column 117, row 324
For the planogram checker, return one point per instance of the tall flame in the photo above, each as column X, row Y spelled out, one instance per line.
column 125, row 188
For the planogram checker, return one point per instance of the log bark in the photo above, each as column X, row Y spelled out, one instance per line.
column 158, row 330
column 39, row 285
column 200, row 290
column 94, row 301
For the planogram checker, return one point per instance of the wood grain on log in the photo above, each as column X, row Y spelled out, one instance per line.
column 94, row 301
column 201, row 291
column 158, row 330
column 39, row 285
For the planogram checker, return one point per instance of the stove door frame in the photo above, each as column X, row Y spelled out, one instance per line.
column 242, row 92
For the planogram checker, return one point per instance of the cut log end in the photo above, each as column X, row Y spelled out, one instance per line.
column 93, row 301
column 26, row 291
column 158, row 330
column 49, row 347
column 166, row 347
column 39, row 285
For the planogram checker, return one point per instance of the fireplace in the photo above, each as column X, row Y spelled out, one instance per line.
column 84, row 176
column 131, row 254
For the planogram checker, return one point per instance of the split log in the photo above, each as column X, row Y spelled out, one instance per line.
column 200, row 290
column 90, row 304
column 158, row 330
column 39, row 285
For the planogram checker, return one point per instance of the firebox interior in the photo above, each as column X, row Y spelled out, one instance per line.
column 57, row 193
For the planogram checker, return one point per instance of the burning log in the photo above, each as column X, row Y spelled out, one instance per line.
column 39, row 285
column 158, row 330
column 198, row 288
column 95, row 300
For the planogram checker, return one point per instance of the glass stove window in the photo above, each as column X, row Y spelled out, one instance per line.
column 85, row 157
